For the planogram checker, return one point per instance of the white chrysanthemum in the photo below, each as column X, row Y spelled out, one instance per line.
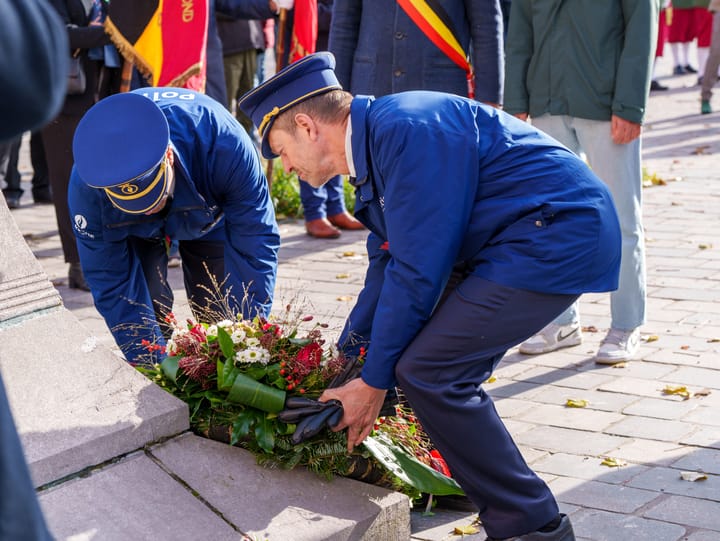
column 238, row 335
column 225, row 324
column 253, row 355
column 177, row 332
column 171, row 347
column 252, row 342
column 212, row 330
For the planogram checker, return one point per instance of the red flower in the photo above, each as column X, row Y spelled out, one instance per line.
column 310, row 356
column 438, row 463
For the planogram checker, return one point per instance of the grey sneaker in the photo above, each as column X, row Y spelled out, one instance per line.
column 564, row 532
column 552, row 337
column 618, row 346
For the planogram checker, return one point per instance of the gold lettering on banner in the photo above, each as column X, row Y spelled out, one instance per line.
column 188, row 13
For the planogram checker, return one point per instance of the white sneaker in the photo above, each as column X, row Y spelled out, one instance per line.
column 552, row 337
column 618, row 346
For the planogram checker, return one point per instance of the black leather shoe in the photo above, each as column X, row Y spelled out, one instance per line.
column 76, row 279
column 654, row 85
column 42, row 197
column 690, row 69
column 13, row 201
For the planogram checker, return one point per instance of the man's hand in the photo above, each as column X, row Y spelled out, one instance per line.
column 361, row 405
column 521, row 116
column 623, row 131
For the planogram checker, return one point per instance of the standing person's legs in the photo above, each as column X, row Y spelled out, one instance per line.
column 620, row 167
column 153, row 257
column 710, row 76
column 40, row 180
column 441, row 374
column 702, row 25
column 313, row 202
column 246, row 82
column 335, row 205
column 232, row 64
column 9, row 157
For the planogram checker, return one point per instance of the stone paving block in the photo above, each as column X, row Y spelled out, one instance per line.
column 565, row 378
column 705, row 415
column 605, row 526
column 441, row 527
column 277, row 504
column 597, row 400
column 651, row 452
column 530, row 454
column 586, row 467
column 703, row 437
column 687, row 511
column 131, row 500
column 706, row 359
column 700, row 377
column 578, row 418
column 671, row 407
column 702, row 535
column 668, row 480
column 706, row 460
column 634, row 386
column 511, row 407
column 634, row 369
column 651, row 429
column 599, row 495
column 570, row 441
column 515, row 389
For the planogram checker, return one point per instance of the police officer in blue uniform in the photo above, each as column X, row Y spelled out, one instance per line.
column 482, row 230
column 170, row 163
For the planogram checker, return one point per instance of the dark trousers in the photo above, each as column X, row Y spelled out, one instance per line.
column 9, row 156
column 203, row 264
column 57, row 139
column 20, row 515
column 441, row 373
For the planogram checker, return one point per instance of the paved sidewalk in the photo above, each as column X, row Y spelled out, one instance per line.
column 655, row 436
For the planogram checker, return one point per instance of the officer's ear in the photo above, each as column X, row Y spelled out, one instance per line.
column 307, row 125
column 170, row 156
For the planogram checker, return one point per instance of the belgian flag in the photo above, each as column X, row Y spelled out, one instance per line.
column 305, row 29
column 165, row 39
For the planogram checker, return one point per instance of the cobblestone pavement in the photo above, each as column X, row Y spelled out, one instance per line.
column 655, row 436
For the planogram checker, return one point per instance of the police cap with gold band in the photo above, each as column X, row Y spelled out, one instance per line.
column 308, row 77
column 119, row 146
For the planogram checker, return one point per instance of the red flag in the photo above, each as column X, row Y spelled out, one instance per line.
column 305, row 29
column 166, row 40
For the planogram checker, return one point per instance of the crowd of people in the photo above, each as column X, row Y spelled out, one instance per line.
column 466, row 130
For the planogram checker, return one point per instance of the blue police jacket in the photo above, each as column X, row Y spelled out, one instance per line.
column 220, row 194
column 450, row 183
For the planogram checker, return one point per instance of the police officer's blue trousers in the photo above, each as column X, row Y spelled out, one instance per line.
column 327, row 200
column 203, row 265
column 441, row 373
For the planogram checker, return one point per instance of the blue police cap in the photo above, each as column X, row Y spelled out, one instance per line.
column 120, row 146
column 308, row 77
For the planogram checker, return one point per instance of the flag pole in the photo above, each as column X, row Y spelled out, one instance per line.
column 279, row 61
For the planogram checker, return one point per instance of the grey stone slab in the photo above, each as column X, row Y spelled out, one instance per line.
column 441, row 526
column 703, row 437
column 668, row 480
column 598, row 495
column 565, row 378
column 651, row 429
column 605, row 526
column 702, row 535
column 706, row 460
column 278, row 504
column 633, row 386
column 651, row 452
column 699, row 377
column 670, row 407
column 577, row 418
column 705, row 415
column 511, row 407
column 687, row 511
column 577, row 442
column 597, row 400
column 586, row 467
column 76, row 408
column 134, row 499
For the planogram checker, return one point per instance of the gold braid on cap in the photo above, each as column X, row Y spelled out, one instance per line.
column 275, row 111
column 126, row 187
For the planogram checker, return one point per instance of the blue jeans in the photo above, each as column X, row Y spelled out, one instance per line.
column 327, row 200
column 619, row 166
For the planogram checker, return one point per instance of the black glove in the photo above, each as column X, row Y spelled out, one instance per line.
column 310, row 416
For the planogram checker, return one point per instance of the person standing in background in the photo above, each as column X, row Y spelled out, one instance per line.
column 581, row 71
column 84, row 23
column 33, row 72
column 710, row 75
column 324, row 207
column 690, row 20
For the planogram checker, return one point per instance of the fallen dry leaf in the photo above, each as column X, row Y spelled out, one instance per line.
column 679, row 390
column 705, row 246
column 693, row 476
column 491, row 379
column 651, row 338
column 700, row 150
column 576, row 403
column 702, row 392
column 345, row 298
column 713, row 340
column 590, row 328
column 348, row 254
column 466, row 530
column 684, row 347
column 342, row 275
column 613, row 462
column 621, row 364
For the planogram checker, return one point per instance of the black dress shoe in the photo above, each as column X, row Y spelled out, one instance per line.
column 655, row 85
column 76, row 279
column 13, row 201
column 690, row 69
column 42, row 197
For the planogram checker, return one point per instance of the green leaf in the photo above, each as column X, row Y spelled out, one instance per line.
column 242, row 425
column 249, row 392
column 265, row 434
column 409, row 469
column 229, row 373
column 170, row 368
column 226, row 343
